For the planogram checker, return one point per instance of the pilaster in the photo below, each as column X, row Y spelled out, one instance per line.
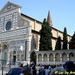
column 42, row 59
column 60, row 58
column 67, row 57
column 48, row 57
column 54, row 58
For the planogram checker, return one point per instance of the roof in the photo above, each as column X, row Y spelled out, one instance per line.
column 10, row 3
column 30, row 18
column 41, row 23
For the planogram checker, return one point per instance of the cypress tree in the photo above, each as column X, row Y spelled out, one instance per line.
column 65, row 40
column 72, row 42
column 58, row 44
column 45, row 36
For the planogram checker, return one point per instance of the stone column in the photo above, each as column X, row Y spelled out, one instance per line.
column 28, row 40
column 54, row 58
column 60, row 58
column 8, row 56
column 28, row 50
column 42, row 59
column 48, row 58
column 67, row 57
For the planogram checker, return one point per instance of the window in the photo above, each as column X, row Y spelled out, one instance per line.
column 8, row 25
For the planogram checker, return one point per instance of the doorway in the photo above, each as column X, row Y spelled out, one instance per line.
column 5, row 57
column 14, row 59
column 33, row 57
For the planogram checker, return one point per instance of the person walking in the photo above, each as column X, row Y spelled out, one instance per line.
column 25, row 70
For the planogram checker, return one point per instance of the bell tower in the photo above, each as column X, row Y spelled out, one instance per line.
column 49, row 20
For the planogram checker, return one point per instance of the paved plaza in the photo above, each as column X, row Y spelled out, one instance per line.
column 5, row 69
column 4, row 72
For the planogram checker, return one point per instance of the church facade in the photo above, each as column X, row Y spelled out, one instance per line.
column 19, row 34
column 15, row 34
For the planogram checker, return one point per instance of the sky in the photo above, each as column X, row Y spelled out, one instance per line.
column 62, row 11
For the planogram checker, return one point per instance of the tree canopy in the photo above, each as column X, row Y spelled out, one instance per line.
column 72, row 42
column 58, row 44
column 45, row 37
column 65, row 40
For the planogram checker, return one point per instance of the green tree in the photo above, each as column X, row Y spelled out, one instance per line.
column 58, row 44
column 45, row 37
column 65, row 40
column 72, row 42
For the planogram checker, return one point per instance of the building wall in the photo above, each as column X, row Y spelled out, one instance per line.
column 36, row 26
column 54, row 57
column 54, row 33
column 53, row 43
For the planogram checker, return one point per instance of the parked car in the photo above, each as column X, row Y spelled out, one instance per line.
column 15, row 71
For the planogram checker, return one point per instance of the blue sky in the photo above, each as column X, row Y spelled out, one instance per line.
column 62, row 11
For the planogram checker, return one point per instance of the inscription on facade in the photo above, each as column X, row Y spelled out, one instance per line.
column 14, row 33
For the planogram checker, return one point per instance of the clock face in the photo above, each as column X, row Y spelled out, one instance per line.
column 8, row 25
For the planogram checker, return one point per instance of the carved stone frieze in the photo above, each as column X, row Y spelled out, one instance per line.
column 14, row 33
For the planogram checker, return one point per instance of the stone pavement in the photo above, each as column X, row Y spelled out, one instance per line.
column 4, row 72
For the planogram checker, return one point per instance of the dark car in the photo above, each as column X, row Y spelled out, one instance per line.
column 14, row 71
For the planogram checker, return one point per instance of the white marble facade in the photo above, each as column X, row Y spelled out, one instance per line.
column 15, row 34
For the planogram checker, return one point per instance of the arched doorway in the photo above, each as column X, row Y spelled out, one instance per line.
column 14, row 57
column 4, row 52
column 33, row 57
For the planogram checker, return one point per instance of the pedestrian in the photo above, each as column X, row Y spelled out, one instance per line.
column 25, row 70
column 42, row 71
column 58, row 71
column 34, row 70
column 47, row 71
column 69, row 66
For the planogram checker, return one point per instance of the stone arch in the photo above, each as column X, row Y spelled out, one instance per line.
column 45, row 57
column 4, row 49
column 57, row 57
column 51, row 57
column 71, row 56
column 39, row 57
column 4, row 46
column 64, row 57
column 14, row 52
column 33, row 57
